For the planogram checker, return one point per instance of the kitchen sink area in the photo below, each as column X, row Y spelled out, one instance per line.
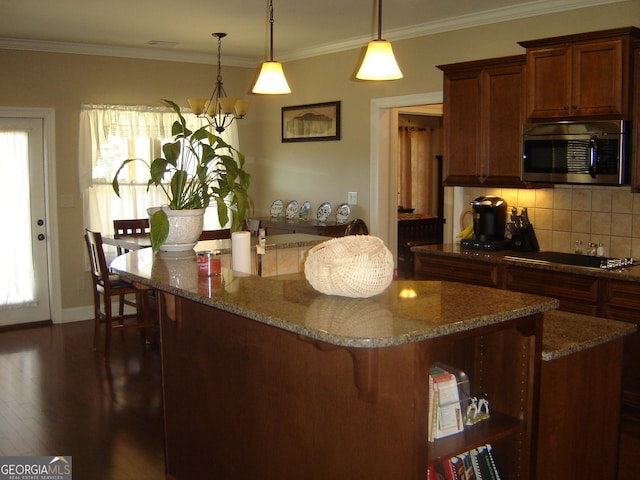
column 574, row 259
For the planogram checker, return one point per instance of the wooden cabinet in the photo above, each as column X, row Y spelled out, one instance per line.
column 281, row 226
column 635, row 124
column 577, row 293
column 584, row 75
column 243, row 399
column 483, row 115
column 585, row 294
column 457, row 270
column 621, row 301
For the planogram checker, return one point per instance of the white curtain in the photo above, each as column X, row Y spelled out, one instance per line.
column 17, row 278
column 127, row 130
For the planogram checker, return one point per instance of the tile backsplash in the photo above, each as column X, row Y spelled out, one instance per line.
column 567, row 213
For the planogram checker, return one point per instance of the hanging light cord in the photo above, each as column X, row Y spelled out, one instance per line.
column 379, row 19
column 271, row 30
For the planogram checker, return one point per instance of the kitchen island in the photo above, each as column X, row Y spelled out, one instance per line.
column 263, row 377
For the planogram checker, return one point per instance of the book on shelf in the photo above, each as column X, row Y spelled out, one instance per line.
column 475, row 464
column 484, row 464
column 467, row 464
column 445, row 415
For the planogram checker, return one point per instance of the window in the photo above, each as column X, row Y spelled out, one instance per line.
column 110, row 134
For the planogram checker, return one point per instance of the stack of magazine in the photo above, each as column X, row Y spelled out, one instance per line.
column 448, row 387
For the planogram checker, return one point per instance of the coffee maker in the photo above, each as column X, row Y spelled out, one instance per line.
column 489, row 222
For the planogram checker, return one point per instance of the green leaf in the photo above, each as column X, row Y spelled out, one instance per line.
column 114, row 183
column 159, row 224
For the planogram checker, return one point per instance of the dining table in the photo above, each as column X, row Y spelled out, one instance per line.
column 128, row 242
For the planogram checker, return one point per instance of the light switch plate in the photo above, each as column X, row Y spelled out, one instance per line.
column 352, row 198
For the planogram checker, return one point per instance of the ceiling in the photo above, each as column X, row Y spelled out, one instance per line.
column 302, row 28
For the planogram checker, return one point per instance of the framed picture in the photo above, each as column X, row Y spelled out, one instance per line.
column 311, row 123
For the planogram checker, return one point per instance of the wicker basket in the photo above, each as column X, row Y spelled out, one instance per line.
column 357, row 266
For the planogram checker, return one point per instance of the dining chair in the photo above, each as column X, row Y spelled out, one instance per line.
column 356, row 227
column 123, row 228
column 105, row 286
column 215, row 234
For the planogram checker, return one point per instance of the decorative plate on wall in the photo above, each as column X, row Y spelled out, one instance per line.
column 292, row 210
column 276, row 208
column 305, row 209
column 324, row 212
column 343, row 212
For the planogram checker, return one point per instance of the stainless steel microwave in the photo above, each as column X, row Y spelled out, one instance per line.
column 575, row 152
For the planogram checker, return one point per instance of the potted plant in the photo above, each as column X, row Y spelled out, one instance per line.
column 196, row 168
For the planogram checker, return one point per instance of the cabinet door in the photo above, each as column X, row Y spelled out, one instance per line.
column 635, row 124
column 461, row 123
column 621, row 301
column 549, row 82
column 597, row 78
column 503, row 114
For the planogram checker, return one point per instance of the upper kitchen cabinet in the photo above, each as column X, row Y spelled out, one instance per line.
column 583, row 75
column 635, row 124
column 484, row 110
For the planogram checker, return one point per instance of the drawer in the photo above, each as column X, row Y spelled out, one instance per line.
column 456, row 270
column 577, row 293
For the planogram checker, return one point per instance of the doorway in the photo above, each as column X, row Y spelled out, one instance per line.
column 25, row 253
column 384, row 128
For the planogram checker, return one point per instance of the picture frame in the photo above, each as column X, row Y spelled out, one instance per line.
column 314, row 122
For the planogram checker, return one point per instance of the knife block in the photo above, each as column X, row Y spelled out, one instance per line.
column 524, row 239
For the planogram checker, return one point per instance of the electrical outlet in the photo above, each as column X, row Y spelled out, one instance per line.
column 352, row 198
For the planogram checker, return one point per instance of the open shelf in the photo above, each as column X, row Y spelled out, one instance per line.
column 488, row 431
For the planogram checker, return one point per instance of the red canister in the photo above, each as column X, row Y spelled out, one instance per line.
column 208, row 263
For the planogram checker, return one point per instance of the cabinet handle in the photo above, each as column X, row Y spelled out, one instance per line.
column 453, row 269
column 566, row 107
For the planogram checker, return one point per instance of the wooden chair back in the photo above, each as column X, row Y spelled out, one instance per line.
column 99, row 269
column 137, row 226
column 215, row 234
column 356, row 227
column 123, row 228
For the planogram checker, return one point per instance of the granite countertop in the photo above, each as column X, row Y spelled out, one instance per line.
column 291, row 240
column 408, row 311
column 631, row 274
column 564, row 333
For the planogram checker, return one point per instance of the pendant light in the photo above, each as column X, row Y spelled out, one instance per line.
column 220, row 109
column 271, row 80
column 379, row 62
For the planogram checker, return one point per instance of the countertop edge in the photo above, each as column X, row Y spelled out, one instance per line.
column 585, row 331
column 543, row 305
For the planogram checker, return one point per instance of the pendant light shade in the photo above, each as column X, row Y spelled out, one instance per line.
column 271, row 80
column 379, row 62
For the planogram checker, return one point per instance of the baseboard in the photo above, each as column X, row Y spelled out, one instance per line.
column 78, row 314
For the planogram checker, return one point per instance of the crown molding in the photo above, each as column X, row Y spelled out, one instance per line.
column 533, row 8
column 150, row 53
column 504, row 14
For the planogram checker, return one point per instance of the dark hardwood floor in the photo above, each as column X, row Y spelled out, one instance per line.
column 58, row 397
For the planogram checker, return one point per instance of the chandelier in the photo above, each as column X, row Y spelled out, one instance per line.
column 219, row 109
